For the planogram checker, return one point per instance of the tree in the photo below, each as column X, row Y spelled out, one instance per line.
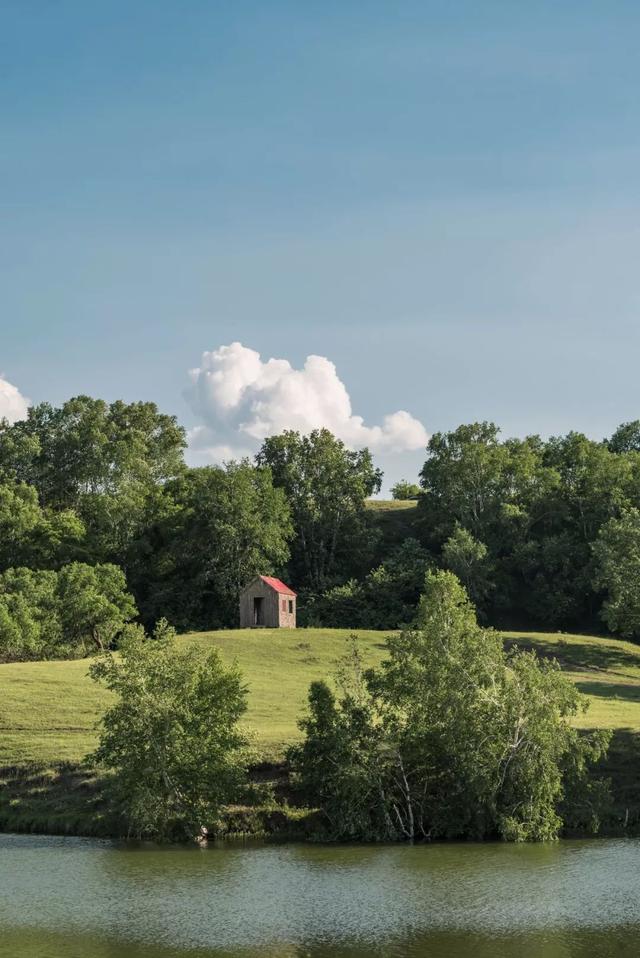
column 468, row 559
column 171, row 739
column 626, row 438
column 464, row 480
column 617, row 572
column 30, row 625
column 33, row 536
column 326, row 485
column 101, row 460
column 405, row 490
column 48, row 614
column 385, row 599
column 94, row 604
column 214, row 529
column 451, row 737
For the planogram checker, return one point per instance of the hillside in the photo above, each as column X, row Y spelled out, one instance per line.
column 395, row 519
column 49, row 710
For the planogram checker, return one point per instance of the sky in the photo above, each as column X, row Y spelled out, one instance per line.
column 424, row 213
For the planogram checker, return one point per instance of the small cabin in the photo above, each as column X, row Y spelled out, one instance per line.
column 267, row 603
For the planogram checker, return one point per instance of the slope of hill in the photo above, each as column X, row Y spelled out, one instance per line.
column 49, row 710
column 395, row 519
column 49, row 713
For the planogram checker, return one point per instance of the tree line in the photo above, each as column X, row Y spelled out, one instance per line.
column 542, row 533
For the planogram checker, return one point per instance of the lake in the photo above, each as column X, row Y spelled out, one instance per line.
column 87, row 899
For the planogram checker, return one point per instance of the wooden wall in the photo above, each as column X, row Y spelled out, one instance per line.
column 273, row 615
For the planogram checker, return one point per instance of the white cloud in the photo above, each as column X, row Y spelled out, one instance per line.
column 242, row 399
column 13, row 405
column 204, row 447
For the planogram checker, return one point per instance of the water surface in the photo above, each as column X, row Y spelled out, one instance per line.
column 85, row 899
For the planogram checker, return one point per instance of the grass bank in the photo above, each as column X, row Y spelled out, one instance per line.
column 49, row 712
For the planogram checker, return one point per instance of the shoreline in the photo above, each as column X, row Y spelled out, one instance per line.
column 66, row 799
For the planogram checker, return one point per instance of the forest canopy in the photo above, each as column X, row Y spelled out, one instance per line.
column 543, row 533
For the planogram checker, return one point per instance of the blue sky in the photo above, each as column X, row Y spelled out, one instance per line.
column 440, row 198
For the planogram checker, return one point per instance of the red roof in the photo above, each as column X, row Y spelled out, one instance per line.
column 277, row 585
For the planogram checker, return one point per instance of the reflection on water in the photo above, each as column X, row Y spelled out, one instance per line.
column 87, row 899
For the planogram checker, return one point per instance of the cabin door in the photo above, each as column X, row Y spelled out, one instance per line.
column 258, row 610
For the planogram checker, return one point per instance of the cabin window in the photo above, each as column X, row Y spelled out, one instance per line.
column 284, row 605
column 290, row 606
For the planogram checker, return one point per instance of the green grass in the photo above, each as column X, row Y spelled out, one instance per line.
column 390, row 505
column 49, row 710
column 606, row 670
column 394, row 520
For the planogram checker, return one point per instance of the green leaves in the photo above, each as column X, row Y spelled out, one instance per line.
column 326, row 485
column 171, row 739
column 47, row 614
column 617, row 557
column 214, row 529
column 450, row 738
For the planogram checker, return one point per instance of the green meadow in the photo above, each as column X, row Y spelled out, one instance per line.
column 49, row 710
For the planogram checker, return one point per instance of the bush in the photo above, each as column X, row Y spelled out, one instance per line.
column 405, row 490
column 451, row 737
column 171, row 740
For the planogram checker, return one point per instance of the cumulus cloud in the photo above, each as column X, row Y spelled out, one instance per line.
column 13, row 405
column 241, row 399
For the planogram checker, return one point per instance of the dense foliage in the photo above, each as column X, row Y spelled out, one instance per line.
column 542, row 533
column 404, row 490
column 63, row 614
column 326, row 486
column 451, row 737
column 518, row 519
column 171, row 739
column 211, row 530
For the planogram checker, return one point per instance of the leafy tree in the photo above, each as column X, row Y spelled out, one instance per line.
column 171, row 739
column 102, row 461
column 48, row 614
column 87, row 446
column 214, row 529
column 626, row 438
column 450, row 737
column 464, row 480
column 33, row 536
column 30, row 625
column 326, row 485
column 537, row 508
column 94, row 604
column 385, row 599
column 405, row 490
column 339, row 765
column 468, row 559
column 617, row 572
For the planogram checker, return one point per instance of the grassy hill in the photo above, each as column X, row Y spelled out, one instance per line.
column 49, row 710
column 395, row 520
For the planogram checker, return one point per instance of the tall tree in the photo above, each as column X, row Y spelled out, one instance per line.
column 626, row 438
column 213, row 530
column 468, row 559
column 32, row 536
column 63, row 614
column 451, row 737
column 326, row 485
column 101, row 460
column 617, row 572
column 171, row 738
